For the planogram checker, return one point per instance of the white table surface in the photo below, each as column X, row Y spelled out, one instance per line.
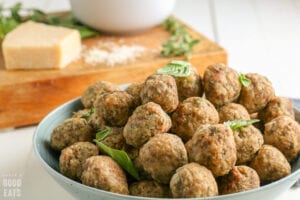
column 260, row 36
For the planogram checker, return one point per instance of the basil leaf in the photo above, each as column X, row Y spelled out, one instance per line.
column 244, row 80
column 176, row 68
column 102, row 134
column 237, row 124
column 121, row 158
column 87, row 115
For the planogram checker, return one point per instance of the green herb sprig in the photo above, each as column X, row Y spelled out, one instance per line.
column 176, row 68
column 104, row 133
column 14, row 18
column 87, row 115
column 237, row 124
column 244, row 80
column 120, row 156
column 180, row 43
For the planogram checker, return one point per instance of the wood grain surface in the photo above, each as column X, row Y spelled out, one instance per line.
column 26, row 96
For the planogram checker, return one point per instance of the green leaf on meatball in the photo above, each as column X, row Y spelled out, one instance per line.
column 244, row 80
column 121, row 157
column 176, row 68
column 87, row 115
column 104, row 133
column 237, row 124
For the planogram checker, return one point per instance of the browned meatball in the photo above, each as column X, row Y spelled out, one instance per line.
column 146, row 121
column 233, row 111
column 162, row 155
column 115, row 107
column 257, row 95
column 96, row 121
column 90, row 94
column 213, row 146
column 283, row 133
column 278, row 106
column 240, row 178
column 248, row 141
column 72, row 158
column 162, row 90
column 221, row 84
column 192, row 113
column 70, row 131
column 270, row 164
column 104, row 173
column 190, row 86
column 193, row 180
column 147, row 188
column 116, row 139
column 134, row 89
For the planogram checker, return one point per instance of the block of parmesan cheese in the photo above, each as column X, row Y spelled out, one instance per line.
column 39, row 46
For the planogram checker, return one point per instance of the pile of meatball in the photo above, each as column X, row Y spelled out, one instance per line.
column 173, row 130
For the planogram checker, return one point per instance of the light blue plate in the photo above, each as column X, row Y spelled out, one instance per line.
column 49, row 160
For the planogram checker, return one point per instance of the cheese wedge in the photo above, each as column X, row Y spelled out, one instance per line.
column 39, row 46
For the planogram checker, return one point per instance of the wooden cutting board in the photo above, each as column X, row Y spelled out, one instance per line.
column 26, row 96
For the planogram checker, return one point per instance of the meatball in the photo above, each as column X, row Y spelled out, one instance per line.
column 233, row 111
column 213, row 146
column 221, row 84
column 278, row 106
column 149, row 188
column 104, row 173
column 70, row 131
column 146, row 121
column 114, row 108
column 160, row 89
column 190, row 86
column 162, row 155
column 72, row 158
column 192, row 113
column 283, row 133
column 116, row 139
column 257, row 95
column 248, row 141
column 134, row 89
column 96, row 121
column 90, row 94
column 270, row 164
column 193, row 180
column 240, row 178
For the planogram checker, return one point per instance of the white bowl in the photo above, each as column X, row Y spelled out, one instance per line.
column 122, row 16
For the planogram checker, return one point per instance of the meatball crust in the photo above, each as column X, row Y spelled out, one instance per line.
column 114, row 108
column 81, row 113
column 134, row 89
column 72, row 158
column 257, row 95
column 116, row 139
column 70, row 131
column 148, row 188
column 104, row 173
column 278, row 106
column 213, row 146
column 193, row 180
column 283, row 133
column 96, row 121
column 270, row 164
column 192, row 113
column 146, row 121
column 162, row 155
column 248, row 141
column 90, row 94
column 190, row 86
column 157, row 86
column 240, row 178
column 221, row 84
column 233, row 111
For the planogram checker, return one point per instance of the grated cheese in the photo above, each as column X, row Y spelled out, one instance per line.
column 110, row 53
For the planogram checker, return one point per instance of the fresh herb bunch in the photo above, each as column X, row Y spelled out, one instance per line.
column 14, row 18
column 180, row 43
column 237, row 124
column 120, row 156
column 176, row 68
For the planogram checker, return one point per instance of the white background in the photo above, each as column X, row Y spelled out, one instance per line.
column 260, row 36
